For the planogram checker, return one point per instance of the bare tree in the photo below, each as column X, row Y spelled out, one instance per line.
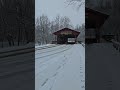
column 78, row 2
column 81, row 29
column 42, row 29
column 62, row 22
column 65, row 22
column 21, row 13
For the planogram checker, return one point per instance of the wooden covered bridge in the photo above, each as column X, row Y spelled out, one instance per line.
column 66, row 36
column 93, row 22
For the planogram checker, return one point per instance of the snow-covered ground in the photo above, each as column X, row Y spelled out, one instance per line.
column 60, row 67
column 102, row 67
column 12, row 48
column 17, row 68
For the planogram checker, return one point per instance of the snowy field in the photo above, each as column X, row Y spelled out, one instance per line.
column 60, row 67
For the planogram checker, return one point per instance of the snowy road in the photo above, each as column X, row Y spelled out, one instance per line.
column 60, row 67
column 17, row 70
column 102, row 67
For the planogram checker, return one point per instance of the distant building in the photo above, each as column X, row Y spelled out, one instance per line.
column 66, row 36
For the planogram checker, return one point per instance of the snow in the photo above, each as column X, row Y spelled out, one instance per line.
column 43, row 45
column 12, row 48
column 16, row 72
column 61, row 67
column 103, row 63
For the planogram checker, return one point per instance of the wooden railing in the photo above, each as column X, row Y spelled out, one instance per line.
column 116, row 45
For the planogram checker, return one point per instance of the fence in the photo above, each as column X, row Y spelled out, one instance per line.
column 116, row 45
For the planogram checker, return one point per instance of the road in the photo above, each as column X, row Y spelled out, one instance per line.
column 17, row 69
column 102, row 67
column 61, row 67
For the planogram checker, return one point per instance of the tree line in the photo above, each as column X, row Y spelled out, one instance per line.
column 16, row 22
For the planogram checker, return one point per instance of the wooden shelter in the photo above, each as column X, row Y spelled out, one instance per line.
column 66, row 36
column 93, row 21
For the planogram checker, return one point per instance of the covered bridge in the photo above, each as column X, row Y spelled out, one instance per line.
column 93, row 22
column 66, row 36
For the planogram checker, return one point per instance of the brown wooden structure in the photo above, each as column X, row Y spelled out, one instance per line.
column 93, row 21
column 66, row 36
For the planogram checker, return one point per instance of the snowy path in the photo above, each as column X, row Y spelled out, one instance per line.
column 60, row 68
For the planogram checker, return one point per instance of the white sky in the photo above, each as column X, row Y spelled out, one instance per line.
column 52, row 8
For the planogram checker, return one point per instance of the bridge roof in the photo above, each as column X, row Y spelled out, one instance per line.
column 68, row 30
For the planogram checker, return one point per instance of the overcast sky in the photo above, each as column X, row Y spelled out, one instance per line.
column 52, row 8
